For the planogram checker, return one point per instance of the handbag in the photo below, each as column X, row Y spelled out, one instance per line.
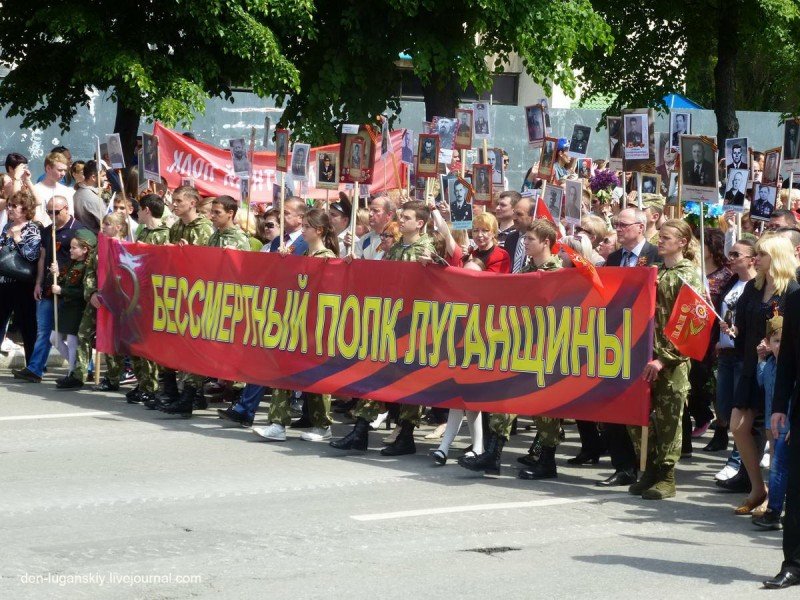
column 14, row 266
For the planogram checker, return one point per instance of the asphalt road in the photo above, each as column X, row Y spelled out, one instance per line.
column 101, row 499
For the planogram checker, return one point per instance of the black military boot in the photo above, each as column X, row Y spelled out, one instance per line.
column 170, row 391
column 134, row 396
column 533, row 453
column 355, row 440
column 489, row 461
column 404, row 444
column 184, row 405
column 149, row 400
column 545, row 467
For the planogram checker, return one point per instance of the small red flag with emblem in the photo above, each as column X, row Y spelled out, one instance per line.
column 584, row 267
column 542, row 212
column 690, row 324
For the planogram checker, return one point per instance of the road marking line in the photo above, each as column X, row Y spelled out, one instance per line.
column 95, row 413
column 404, row 514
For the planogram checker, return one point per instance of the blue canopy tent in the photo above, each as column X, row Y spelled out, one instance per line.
column 674, row 101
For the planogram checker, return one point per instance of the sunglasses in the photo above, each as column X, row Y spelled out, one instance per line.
column 735, row 254
column 270, row 225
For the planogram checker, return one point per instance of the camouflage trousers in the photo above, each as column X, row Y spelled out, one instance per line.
column 668, row 397
column 546, row 427
column 146, row 374
column 319, row 408
column 370, row 409
column 86, row 339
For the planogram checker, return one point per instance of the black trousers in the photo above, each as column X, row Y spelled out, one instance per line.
column 791, row 527
column 620, row 447
column 16, row 299
column 591, row 442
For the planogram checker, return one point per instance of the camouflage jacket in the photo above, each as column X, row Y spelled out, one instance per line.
column 668, row 286
column 231, row 236
column 412, row 252
column 90, row 276
column 157, row 237
column 71, row 281
column 196, row 233
column 324, row 253
column 553, row 263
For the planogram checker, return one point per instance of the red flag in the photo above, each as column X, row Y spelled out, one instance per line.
column 585, row 268
column 690, row 324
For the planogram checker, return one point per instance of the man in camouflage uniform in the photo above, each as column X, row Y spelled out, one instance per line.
column 86, row 337
column 151, row 231
column 653, row 206
column 413, row 218
column 227, row 234
column 668, row 371
column 191, row 229
column 538, row 240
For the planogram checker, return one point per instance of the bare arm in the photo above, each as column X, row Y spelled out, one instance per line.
column 443, row 227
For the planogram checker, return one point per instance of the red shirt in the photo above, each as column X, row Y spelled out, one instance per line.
column 496, row 259
column 457, row 259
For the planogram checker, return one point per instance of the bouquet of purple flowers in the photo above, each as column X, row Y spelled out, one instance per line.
column 602, row 183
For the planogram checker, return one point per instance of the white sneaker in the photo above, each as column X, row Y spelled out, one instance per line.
column 726, row 473
column 317, row 434
column 379, row 420
column 271, row 433
column 765, row 461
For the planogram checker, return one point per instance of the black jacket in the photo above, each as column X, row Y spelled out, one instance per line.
column 649, row 253
column 788, row 371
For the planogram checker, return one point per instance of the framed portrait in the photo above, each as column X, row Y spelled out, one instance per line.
column 327, row 171
column 672, row 189
column 149, row 162
column 386, row 139
column 445, row 128
column 680, row 123
column 764, row 201
column 585, row 168
column 241, row 164
column 546, row 112
column 463, row 138
column 699, row 169
column 552, row 198
column 614, row 128
column 480, row 112
column 791, row 144
column 651, row 183
column 282, row 150
column 141, row 181
column 579, row 143
column 534, row 120
column 772, row 166
column 459, row 196
column 267, row 129
column 736, row 154
column 187, row 181
column 244, row 188
column 736, row 189
column 115, row 155
column 482, row 182
column 573, row 204
column 547, row 158
column 407, row 151
column 300, row 154
column 635, row 130
column 427, row 155
column 495, row 160
column 356, row 157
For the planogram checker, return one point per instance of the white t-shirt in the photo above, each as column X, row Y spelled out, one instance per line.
column 729, row 312
column 45, row 193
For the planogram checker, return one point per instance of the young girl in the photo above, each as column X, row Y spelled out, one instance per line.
column 69, row 290
column 778, row 472
column 322, row 243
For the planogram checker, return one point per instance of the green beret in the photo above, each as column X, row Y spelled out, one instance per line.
column 656, row 201
column 87, row 237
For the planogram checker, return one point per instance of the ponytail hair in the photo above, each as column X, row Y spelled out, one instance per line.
column 684, row 230
column 319, row 220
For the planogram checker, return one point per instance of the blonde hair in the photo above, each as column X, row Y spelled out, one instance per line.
column 682, row 228
column 580, row 244
column 486, row 220
column 118, row 219
column 246, row 223
column 783, row 262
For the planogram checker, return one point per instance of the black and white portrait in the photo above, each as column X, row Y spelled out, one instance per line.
column 698, row 158
column 637, row 140
column 446, row 130
column 572, row 206
column 680, row 123
column 736, row 153
column 764, row 202
column 791, row 140
column 386, row 142
column 579, row 144
column 463, row 138
column 241, row 166
column 300, row 154
column 407, row 153
column 534, row 119
column 149, row 164
column 427, row 164
column 651, row 184
column 552, row 199
column 495, row 160
column 327, row 170
column 614, row 127
column 282, row 150
column 736, row 189
column 482, row 178
column 772, row 166
column 481, row 114
column 460, row 203
column 244, row 188
column 115, row 155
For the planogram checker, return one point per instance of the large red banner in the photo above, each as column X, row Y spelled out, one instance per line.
column 538, row 343
column 211, row 168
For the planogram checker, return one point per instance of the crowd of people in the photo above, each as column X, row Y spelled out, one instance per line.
column 742, row 388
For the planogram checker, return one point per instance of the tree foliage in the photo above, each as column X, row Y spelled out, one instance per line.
column 160, row 59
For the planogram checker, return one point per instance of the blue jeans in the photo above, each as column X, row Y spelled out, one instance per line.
column 249, row 400
column 778, row 473
column 41, row 349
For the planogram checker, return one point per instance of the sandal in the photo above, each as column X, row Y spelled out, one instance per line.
column 439, row 457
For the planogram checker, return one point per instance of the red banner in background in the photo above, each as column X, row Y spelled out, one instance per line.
column 211, row 167
column 539, row 343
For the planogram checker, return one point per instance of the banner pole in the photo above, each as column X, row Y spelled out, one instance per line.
column 643, row 449
column 624, row 199
column 327, row 195
column 98, row 358
column 639, row 190
column 789, row 193
column 702, row 248
column 353, row 219
column 55, row 260
column 737, row 235
column 250, row 174
column 280, row 209
column 463, row 163
column 99, row 160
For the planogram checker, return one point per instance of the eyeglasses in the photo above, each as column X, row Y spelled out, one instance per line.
column 606, row 241
column 270, row 225
column 734, row 254
column 387, row 236
column 624, row 225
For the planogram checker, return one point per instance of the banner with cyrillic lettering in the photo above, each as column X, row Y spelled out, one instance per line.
column 539, row 343
column 211, row 169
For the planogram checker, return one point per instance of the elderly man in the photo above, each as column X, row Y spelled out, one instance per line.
column 698, row 171
column 381, row 212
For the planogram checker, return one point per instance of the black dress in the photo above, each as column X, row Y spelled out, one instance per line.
column 751, row 324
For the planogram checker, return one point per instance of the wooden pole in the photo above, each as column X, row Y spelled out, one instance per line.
column 327, row 196
column 98, row 358
column 353, row 219
column 624, row 199
column 280, row 209
column 463, row 163
column 789, row 193
column 639, row 190
column 643, row 449
column 55, row 260
column 250, row 174
column 702, row 247
column 99, row 159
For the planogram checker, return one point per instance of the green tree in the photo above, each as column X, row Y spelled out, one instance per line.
column 161, row 60
column 708, row 47
column 349, row 68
